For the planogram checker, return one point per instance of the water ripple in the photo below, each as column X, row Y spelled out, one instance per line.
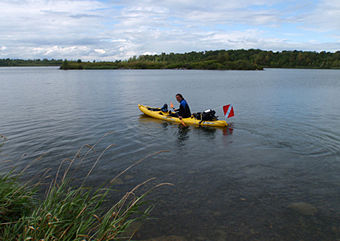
column 282, row 147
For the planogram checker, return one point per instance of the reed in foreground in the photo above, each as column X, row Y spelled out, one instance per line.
column 69, row 213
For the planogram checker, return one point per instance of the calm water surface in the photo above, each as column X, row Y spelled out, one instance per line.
column 273, row 175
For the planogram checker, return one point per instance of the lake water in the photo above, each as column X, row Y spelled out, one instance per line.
column 273, row 175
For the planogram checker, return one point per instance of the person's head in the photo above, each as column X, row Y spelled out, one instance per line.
column 179, row 97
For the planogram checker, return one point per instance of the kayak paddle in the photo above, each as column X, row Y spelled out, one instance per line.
column 172, row 106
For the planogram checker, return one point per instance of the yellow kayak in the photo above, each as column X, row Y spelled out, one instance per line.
column 158, row 114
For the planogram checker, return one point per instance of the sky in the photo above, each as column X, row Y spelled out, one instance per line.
column 119, row 29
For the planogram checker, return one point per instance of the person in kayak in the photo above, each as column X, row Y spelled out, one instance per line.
column 183, row 111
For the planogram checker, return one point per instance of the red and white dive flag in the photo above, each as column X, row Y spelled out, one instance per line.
column 228, row 111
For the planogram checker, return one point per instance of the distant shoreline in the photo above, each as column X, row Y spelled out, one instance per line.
column 252, row 59
column 58, row 67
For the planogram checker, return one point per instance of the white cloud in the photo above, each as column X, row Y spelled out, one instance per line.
column 57, row 50
column 325, row 17
column 100, row 51
column 110, row 30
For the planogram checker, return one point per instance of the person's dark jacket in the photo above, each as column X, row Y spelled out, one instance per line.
column 184, row 109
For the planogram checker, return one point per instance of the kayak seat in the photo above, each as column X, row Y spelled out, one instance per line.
column 154, row 109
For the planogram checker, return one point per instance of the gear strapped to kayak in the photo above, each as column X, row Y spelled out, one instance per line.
column 207, row 115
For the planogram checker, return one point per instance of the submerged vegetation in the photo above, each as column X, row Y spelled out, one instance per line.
column 3, row 139
column 252, row 59
column 68, row 212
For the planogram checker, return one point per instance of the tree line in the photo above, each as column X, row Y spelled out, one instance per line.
column 252, row 59
column 221, row 59
column 30, row 62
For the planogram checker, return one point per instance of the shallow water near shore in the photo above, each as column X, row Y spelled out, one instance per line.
column 272, row 175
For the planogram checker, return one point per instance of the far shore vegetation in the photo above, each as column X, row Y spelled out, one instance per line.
column 30, row 62
column 251, row 59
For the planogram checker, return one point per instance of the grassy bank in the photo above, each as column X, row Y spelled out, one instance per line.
column 68, row 212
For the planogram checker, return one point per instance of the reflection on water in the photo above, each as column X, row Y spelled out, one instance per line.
column 208, row 131
column 182, row 133
column 228, row 130
column 147, row 119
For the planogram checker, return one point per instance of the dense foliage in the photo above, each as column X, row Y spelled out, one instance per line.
column 252, row 59
column 30, row 62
